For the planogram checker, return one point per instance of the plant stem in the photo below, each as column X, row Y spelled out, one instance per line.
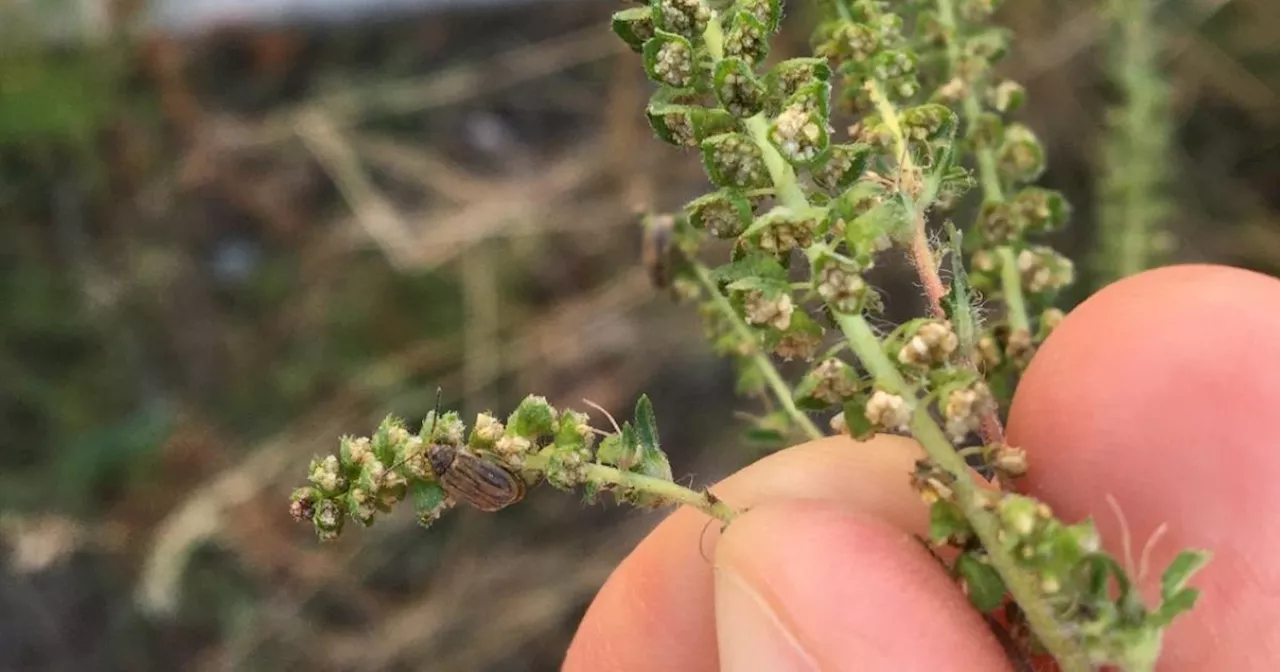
column 667, row 490
column 779, row 386
column 781, row 173
column 972, row 500
column 783, row 176
column 673, row 493
column 987, row 173
column 918, row 245
column 1011, row 284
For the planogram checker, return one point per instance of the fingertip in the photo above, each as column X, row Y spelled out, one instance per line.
column 656, row 610
column 1160, row 391
column 811, row 585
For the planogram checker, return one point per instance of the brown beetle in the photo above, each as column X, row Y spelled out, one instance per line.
column 478, row 482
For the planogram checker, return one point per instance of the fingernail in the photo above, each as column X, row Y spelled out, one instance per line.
column 750, row 634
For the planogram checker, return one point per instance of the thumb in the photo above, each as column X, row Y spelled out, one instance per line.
column 812, row 586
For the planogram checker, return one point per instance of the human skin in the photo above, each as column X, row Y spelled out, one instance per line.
column 1160, row 391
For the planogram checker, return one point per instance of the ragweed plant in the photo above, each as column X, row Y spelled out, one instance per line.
column 806, row 210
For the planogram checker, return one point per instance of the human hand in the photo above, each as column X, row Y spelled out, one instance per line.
column 1162, row 391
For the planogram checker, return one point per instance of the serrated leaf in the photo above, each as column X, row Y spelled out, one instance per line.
column 1180, row 570
column 982, row 583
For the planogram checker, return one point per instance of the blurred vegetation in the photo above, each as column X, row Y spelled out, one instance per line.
column 220, row 251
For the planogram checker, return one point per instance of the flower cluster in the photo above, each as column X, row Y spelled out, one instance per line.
column 809, row 213
column 442, row 466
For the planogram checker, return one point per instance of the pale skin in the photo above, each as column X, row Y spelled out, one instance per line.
column 1162, row 390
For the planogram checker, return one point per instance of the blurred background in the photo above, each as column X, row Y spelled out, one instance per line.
column 231, row 231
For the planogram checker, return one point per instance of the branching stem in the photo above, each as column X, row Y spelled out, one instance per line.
column 761, row 359
column 1021, row 584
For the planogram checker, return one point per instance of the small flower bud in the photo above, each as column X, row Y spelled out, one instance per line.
column 791, row 76
column 785, row 232
column 773, row 311
column 354, row 451
column 888, row 411
column 533, row 418
column 1044, row 270
column 734, row 160
column 838, row 425
column 634, row 26
column 687, row 18
column 1021, row 515
column 1008, row 96
column 737, row 88
column 746, row 37
column 932, row 343
column 513, row 450
column 799, row 135
column 327, row 519
column 327, row 475
column 725, row 213
column 844, row 164
column 964, row 409
column 302, row 503
column 833, row 381
column 486, row 431
column 668, row 59
column 842, row 287
column 1020, row 157
column 1008, row 460
column 766, row 12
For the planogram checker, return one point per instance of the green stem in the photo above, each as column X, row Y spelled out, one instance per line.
column 1011, row 285
column 987, row 172
column 779, row 386
column 668, row 491
column 1021, row 584
column 781, row 173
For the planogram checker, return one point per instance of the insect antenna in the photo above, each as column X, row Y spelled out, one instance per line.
column 435, row 418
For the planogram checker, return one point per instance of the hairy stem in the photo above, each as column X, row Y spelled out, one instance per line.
column 761, row 359
column 969, row 495
column 922, row 257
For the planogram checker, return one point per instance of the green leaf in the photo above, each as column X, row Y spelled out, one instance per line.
column 755, row 265
column 1180, row 571
column 959, row 301
column 855, row 418
column 428, row 499
column 646, row 424
column 634, row 26
column 1174, row 605
column 982, row 583
column 947, row 523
